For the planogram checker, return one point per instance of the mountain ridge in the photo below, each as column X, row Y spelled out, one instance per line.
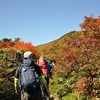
column 47, row 48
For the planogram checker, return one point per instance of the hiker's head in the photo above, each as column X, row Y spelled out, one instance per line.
column 28, row 54
column 53, row 61
column 42, row 57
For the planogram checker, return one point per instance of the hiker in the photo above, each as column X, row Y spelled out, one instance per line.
column 51, row 65
column 18, row 57
column 44, row 67
column 31, row 91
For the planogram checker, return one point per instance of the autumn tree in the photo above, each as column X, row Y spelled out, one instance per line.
column 6, row 40
column 20, row 45
column 6, row 43
column 91, row 27
column 17, row 39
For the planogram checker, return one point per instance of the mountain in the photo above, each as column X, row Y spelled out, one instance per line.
column 53, row 48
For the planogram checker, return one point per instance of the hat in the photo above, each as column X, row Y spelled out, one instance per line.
column 28, row 54
column 42, row 56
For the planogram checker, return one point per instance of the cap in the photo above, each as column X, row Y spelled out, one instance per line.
column 28, row 54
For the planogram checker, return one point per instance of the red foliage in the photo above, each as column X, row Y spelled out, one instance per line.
column 6, row 44
column 82, row 56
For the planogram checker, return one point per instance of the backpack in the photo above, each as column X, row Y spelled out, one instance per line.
column 43, row 65
column 50, row 67
column 28, row 77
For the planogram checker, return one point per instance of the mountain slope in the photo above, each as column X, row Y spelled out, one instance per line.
column 77, row 70
column 53, row 48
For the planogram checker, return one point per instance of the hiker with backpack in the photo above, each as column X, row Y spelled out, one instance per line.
column 43, row 64
column 18, row 57
column 29, row 77
column 51, row 65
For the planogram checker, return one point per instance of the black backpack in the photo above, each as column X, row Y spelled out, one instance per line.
column 28, row 77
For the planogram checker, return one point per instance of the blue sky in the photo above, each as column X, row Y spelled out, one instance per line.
column 42, row 21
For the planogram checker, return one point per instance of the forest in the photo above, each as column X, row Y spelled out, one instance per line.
column 76, row 75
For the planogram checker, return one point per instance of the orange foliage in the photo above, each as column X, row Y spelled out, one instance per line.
column 25, row 47
column 91, row 27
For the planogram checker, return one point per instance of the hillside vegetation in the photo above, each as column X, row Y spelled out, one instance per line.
column 76, row 75
column 77, row 55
